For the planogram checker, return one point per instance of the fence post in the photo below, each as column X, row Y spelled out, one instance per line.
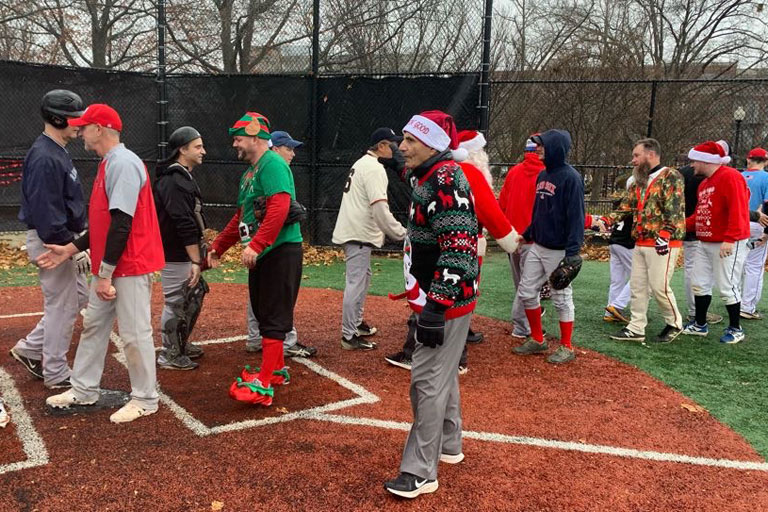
column 485, row 70
column 652, row 109
column 313, row 120
column 162, row 92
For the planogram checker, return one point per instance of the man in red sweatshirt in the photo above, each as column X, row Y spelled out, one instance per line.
column 721, row 221
column 516, row 201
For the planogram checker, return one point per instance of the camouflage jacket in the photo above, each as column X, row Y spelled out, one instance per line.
column 657, row 210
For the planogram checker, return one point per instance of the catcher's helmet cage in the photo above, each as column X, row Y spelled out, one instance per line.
column 60, row 104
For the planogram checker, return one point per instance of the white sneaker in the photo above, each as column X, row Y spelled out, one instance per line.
column 451, row 459
column 4, row 417
column 129, row 412
column 66, row 399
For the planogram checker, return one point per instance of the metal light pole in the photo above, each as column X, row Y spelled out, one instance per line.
column 738, row 116
column 162, row 91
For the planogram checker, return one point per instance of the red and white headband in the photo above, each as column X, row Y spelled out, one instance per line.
column 428, row 132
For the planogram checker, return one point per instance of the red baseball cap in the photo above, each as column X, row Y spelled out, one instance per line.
column 758, row 153
column 100, row 114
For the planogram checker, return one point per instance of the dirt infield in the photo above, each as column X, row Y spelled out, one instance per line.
column 594, row 435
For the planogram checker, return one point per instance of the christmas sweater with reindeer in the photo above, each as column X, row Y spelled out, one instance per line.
column 440, row 260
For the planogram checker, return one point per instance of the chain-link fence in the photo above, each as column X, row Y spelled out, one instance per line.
column 606, row 117
column 351, row 108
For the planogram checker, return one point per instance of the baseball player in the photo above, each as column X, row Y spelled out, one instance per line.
column 690, row 244
column 656, row 201
column 621, row 246
column 53, row 209
column 754, row 265
column 489, row 215
column 126, row 248
column 516, row 201
column 179, row 206
column 441, row 270
column 284, row 145
column 364, row 220
column 557, row 234
column 721, row 221
column 272, row 252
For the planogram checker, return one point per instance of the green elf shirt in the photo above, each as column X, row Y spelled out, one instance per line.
column 271, row 175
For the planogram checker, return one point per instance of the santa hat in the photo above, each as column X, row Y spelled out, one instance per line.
column 709, row 152
column 471, row 140
column 437, row 130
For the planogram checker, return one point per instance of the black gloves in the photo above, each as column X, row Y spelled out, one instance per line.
column 395, row 164
column 430, row 327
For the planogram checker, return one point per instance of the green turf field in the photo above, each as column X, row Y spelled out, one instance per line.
column 725, row 379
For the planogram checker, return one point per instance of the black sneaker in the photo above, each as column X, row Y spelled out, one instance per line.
column 400, row 360
column 193, row 351
column 475, row 337
column 299, row 350
column 410, row 486
column 626, row 335
column 357, row 343
column 33, row 366
column 668, row 334
column 64, row 384
column 366, row 330
column 175, row 362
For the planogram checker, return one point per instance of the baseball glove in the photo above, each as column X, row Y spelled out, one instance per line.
column 565, row 272
column 296, row 213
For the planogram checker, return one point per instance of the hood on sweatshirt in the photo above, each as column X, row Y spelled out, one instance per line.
column 557, row 144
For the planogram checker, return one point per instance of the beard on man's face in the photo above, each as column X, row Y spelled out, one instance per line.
column 640, row 172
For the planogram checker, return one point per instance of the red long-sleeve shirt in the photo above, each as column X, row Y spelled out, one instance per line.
column 722, row 211
column 274, row 218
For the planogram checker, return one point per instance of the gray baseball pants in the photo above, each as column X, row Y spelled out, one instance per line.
column 435, row 402
column 174, row 275
column 539, row 265
column 65, row 292
column 132, row 308
column 520, row 326
column 357, row 257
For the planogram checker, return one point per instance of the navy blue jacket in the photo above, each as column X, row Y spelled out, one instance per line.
column 51, row 194
column 558, row 211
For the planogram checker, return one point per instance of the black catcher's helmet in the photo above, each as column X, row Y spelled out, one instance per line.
column 60, row 104
column 178, row 139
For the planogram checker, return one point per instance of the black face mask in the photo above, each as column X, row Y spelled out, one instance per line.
column 425, row 166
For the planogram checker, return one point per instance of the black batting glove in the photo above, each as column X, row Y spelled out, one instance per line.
column 430, row 327
column 662, row 246
column 395, row 164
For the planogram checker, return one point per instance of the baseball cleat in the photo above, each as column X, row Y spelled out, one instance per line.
column 694, row 329
column 732, row 335
column 617, row 314
column 626, row 335
column 531, row 346
column 366, row 330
